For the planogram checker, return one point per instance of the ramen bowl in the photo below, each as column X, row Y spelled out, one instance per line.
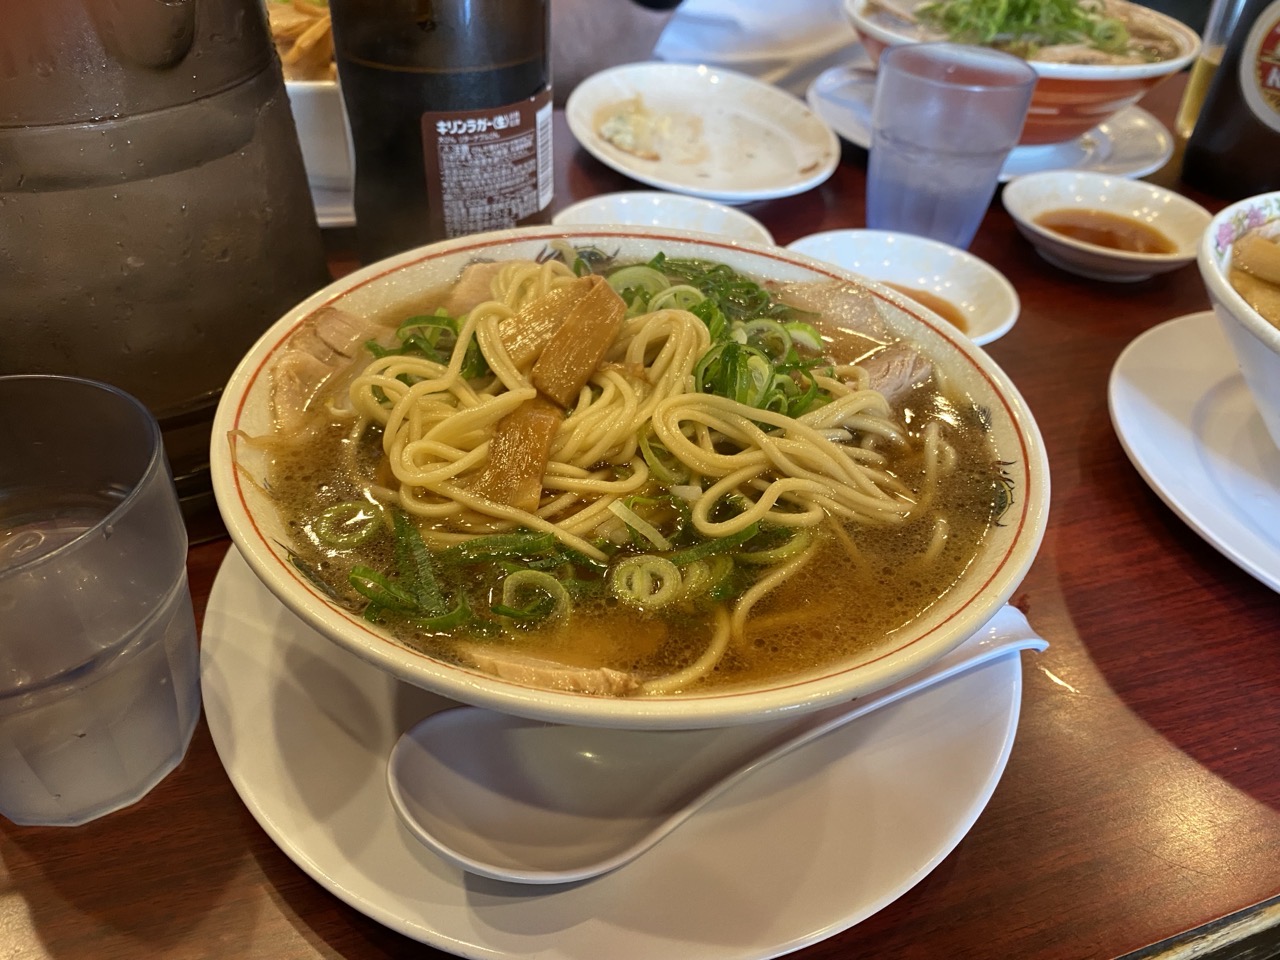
column 267, row 540
column 1070, row 99
column 1254, row 341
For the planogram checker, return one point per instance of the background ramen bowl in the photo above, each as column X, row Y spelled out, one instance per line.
column 1181, row 220
column 1255, row 342
column 986, row 584
column 1069, row 99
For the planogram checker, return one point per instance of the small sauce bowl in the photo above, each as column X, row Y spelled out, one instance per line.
column 1178, row 219
column 923, row 269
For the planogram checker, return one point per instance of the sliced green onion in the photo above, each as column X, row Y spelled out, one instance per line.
column 664, row 467
column 349, row 524
column 762, row 558
column 414, row 568
column 703, row 576
column 805, row 335
column 523, row 544
column 640, row 525
column 638, row 277
column 711, row 547
column 770, row 335
column 646, row 582
column 531, row 595
column 679, row 297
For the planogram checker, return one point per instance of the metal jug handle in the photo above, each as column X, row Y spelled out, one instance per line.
column 149, row 33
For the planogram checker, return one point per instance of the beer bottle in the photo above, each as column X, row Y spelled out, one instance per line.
column 449, row 103
column 1234, row 150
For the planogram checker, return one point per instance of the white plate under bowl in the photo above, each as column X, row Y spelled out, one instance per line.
column 753, row 142
column 655, row 208
column 1181, row 220
column 985, row 299
column 1189, row 425
column 807, row 847
column 1132, row 143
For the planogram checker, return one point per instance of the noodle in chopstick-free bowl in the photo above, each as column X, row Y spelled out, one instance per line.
column 629, row 477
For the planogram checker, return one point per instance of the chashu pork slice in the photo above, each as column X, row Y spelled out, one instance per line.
column 526, row 669
column 326, row 344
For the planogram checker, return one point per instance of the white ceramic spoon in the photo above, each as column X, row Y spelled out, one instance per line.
column 533, row 802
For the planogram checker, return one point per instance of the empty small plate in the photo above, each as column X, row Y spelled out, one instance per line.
column 951, row 282
column 643, row 208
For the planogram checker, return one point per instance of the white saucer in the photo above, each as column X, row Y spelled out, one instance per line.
column 1189, row 424
column 751, row 140
column 1131, row 144
column 809, row 846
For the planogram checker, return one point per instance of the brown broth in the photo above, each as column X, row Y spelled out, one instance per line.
column 1105, row 229
column 942, row 307
column 839, row 609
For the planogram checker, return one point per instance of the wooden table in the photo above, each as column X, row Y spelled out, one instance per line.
column 1142, row 799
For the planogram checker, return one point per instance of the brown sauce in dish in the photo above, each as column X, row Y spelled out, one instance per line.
column 942, row 307
column 1104, row 229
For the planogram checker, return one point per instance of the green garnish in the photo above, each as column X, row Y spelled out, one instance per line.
column 1024, row 26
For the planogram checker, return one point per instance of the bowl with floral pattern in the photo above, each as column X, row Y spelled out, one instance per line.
column 1254, row 339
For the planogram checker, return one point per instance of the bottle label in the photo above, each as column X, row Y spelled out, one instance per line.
column 488, row 169
column 1260, row 67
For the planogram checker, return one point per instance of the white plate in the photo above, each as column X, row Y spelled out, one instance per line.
column 1188, row 423
column 653, row 208
column 982, row 294
column 1131, row 144
column 749, row 140
column 809, row 846
column 334, row 208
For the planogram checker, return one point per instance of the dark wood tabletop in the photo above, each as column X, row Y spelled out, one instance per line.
column 1141, row 801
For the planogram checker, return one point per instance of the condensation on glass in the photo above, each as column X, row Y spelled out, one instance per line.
column 154, row 211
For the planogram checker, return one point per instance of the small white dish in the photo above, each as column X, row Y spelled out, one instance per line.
column 741, row 139
column 1191, row 428
column 1181, row 220
column 321, row 121
column 984, row 298
column 304, row 730
column 1254, row 338
column 1132, row 143
column 543, row 803
column 645, row 208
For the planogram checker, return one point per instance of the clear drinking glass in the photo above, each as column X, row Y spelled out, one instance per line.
column 944, row 119
column 99, row 683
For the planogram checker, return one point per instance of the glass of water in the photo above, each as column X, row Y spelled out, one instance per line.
column 99, row 682
column 944, row 119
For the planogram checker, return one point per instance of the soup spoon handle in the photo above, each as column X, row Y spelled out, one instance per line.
column 510, row 840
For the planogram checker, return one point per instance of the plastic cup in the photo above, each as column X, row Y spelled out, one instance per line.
column 944, row 119
column 99, row 683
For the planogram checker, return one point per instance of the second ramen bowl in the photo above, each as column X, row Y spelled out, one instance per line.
column 1070, row 99
column 382, row 289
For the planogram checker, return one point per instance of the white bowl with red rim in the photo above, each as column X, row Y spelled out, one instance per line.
column 988, row 582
